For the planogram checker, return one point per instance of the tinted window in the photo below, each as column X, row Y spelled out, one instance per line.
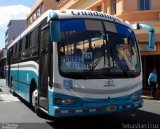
column 34, row 37
column 20, row 47
column 113, row 7
column 144, row 4
column 27, row 45
column 23, row 43
column 89, row 48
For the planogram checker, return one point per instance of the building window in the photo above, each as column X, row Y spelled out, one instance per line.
column 31, row 20
column 42, row 8
column 38, row 12
column 34, row 16
column 99, row 8
column 6, row 34
column 144, row 4
column 113, row 6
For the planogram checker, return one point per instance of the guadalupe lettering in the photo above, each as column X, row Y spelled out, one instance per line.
column 84, row 13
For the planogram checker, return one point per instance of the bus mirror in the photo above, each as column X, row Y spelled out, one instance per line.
column 55, row 31
column 150, row 30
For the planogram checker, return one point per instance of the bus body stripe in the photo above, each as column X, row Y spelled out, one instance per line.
column 25, row 66
column 103, row 91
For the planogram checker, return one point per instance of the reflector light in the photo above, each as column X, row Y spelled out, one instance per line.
column 86, row 110
column 63, row 11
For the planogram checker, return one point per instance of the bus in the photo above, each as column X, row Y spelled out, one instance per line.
column 76, row 63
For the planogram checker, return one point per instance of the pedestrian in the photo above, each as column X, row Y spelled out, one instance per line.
column 152, row 81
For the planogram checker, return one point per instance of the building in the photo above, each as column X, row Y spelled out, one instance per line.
column 15, row 27
column 3, row 55
column 39, row 8
column 135, row 11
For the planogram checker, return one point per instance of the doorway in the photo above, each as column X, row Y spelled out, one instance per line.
column 148, row 63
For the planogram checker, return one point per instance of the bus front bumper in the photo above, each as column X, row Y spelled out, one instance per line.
column 96, row 108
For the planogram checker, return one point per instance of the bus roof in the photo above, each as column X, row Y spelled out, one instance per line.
column 87, row 14
column 71, row 14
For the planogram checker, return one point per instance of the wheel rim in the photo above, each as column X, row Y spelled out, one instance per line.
column 35, row 98
column 12, row 86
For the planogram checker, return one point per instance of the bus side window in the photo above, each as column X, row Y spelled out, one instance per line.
column 23, row 48
column 34, row 43
column 13, row 53
column 27, row 45
column 11, row 50
column 34, row 37
column 31, row 39
column 23, row 43
column 20, row 47
column 17, row 52
column 20, row 50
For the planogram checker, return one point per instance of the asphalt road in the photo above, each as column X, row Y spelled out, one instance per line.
column 17, row 114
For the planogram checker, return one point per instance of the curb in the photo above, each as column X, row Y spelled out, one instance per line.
column 150, row 97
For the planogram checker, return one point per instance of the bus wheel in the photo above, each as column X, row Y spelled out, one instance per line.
column 11, row 85
column 11, row 88
column 34, row 102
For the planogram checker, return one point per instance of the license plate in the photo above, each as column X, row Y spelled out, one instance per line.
column 110, row 108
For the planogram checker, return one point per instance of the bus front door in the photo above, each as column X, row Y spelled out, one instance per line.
column 9, row 66
column 43, row 69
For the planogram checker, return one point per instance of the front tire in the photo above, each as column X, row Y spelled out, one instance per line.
column 11, row 87
column 34, row 102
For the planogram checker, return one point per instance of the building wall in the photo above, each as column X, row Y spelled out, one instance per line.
column 15, row 28
column 127, row 5
column 130, row 10
column 39, row 8
column 84, row 4
column 50, row 4
column 155, row 5
column 125, row 9
column 120, row 6
column 133, row 5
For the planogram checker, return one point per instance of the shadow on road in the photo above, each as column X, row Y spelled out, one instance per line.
column 114, row 121
column 111, row 121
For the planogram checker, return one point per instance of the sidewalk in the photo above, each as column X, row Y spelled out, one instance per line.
column 150, row 97
column 147, row 94
column 5, row 95
column 3, row 88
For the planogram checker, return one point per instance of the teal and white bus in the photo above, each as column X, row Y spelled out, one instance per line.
column 76, row 63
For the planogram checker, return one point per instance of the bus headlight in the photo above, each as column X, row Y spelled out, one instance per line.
column 65, row 101
column 136, row 96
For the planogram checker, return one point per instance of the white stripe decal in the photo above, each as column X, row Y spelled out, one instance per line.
column 64, row 111
column 95, row 96
column 92, row 110
column 128, row 106
column 26, row 66
column 78, row 111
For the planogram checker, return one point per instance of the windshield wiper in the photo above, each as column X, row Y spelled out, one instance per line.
column 125, row 73
column 96, row 63
column 124, row 69
column 87, row 72
column 101, row 55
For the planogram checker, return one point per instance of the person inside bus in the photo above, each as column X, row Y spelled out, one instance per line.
column 116, row 42
column 129, row 55
column 78, row 52
column 152, row 81
column 90, row 48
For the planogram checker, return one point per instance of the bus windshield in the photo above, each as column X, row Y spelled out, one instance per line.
column 97, row 49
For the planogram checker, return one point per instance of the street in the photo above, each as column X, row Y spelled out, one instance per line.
column 15, row 113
